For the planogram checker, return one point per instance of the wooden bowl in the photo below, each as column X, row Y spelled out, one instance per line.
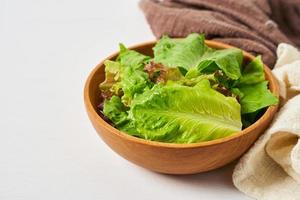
column 167, row 157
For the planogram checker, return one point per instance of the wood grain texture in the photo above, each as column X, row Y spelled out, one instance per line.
column 174, row 158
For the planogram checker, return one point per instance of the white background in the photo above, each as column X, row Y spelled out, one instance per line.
column 48, row 148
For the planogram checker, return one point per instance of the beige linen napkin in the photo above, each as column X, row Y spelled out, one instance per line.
column 270, row 170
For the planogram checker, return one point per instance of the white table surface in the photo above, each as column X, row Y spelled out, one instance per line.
column 48, row 148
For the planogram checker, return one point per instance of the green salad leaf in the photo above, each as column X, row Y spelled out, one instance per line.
column 117, row 112
column 131, row 58
column 228, row 60
column 256, row 97
column 133, row 81
column 193, row 81
column 126, row 76
column 252, row 88
column 253, row 72
column 181, row 114
column 111, row 84
column 183, row 53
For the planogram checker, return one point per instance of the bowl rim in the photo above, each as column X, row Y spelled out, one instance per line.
column 271, row 110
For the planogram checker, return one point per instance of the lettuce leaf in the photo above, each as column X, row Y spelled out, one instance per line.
column 256, row 97
column 181, row 114
column 131, row 58
column 158, row 73
column 111, row 85
column 194, row 81
column 183, row 53
column 133, row 78
column 125, row 77
column 228, row 60
column 253, row 72
column 133, row 81
column 117, row 112
column 252, row 89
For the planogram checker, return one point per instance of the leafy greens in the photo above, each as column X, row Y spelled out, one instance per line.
column 186, row 93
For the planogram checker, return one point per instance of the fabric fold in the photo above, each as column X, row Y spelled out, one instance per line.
column 270, row 169
column 248, row 24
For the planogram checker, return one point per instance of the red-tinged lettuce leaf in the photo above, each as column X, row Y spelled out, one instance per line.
column 125, row 77
column 111, row 85
column 158, row 73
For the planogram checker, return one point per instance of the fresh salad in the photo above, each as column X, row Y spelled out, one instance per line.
column 186, row 93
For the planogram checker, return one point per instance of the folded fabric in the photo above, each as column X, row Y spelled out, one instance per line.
column 270, row 170
column 247, row 24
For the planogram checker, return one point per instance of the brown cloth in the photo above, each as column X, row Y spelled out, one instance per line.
column 256, row 26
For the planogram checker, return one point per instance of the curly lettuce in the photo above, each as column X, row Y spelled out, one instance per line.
column 125, row 77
